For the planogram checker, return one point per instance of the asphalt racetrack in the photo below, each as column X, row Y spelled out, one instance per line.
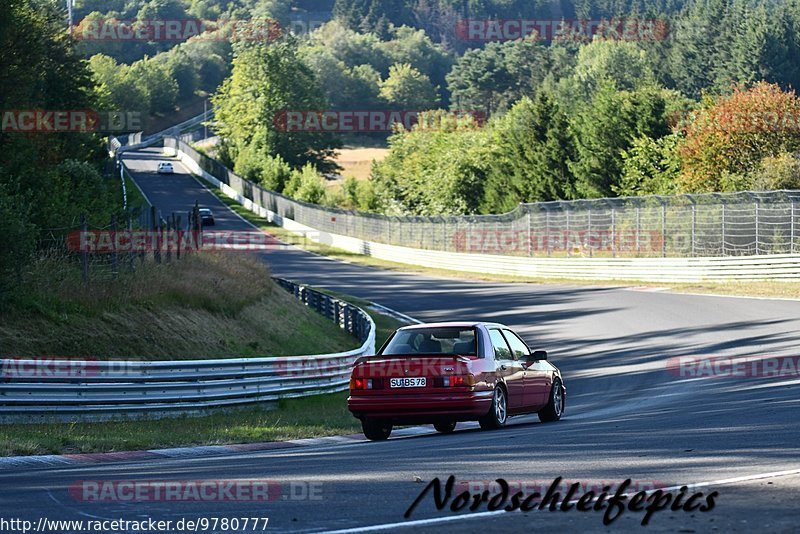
column 628, row 416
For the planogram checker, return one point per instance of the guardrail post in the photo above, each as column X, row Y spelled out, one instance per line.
column 638, row 229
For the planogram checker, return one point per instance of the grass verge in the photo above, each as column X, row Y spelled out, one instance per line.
column 203, row 306
column 318, row 416
column 322, row 415
column 766, row 289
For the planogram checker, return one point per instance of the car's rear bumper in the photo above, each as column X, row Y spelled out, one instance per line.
column 422, row 408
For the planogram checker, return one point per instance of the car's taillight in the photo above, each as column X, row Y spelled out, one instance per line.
column 365, row 383
column 456, row 381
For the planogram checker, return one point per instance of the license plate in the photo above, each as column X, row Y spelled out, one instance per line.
column 407, row 382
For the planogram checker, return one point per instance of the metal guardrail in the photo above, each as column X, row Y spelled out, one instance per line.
column 92, row 390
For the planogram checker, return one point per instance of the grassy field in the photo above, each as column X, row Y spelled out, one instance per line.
column 357, row 161
column 204, row 306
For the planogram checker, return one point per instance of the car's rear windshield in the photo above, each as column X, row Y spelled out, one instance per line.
column 447, row 340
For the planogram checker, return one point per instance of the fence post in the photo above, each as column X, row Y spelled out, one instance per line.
column 638, row 229
column 694, row 228
column 84, row 252
column 114, row 253
column 176, row 224
column 613, row 232
column 156, row 234
column 757, row 216
column 568, row 239
column 530, row 236
column 663, row 228
column 547, row 232
column 589, row 231
column 167, row 225
column 791, row 222
column 723, row 227
column 131, row 264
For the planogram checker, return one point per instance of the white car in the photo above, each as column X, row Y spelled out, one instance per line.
column 165, row 167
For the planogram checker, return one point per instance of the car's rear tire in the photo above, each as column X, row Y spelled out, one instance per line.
column 445, row 427
column 376, row 429
column 555, row 405
column 498, row 413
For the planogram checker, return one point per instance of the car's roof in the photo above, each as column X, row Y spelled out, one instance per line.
column 205, row 209
column 165, row 163
column 453, row 324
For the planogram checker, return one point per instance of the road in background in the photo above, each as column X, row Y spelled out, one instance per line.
column 627, row 415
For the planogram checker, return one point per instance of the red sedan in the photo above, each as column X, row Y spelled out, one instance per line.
column 442, row 373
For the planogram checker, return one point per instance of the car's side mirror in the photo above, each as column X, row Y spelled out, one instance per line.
column 537, row 356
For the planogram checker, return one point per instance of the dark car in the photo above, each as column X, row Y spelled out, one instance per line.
column 444, row 373
column 206, row 217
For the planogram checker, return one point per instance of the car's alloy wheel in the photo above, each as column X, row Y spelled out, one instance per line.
column 445, row 427
column 555, row 406
column 376, row 429
column 498, row 414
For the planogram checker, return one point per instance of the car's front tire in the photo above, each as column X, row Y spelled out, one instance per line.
column 376, row 429
column 498, row 413
column 445, row 427
column 555, row 406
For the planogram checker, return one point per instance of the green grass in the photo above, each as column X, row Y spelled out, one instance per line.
column 322, row 415
column 206, row 305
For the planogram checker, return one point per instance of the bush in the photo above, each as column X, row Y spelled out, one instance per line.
column 306, row 185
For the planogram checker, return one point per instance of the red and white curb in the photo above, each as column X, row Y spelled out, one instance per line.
column 52, row 460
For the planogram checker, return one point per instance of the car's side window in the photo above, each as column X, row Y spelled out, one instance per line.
column 501, row 349
column 518, row 347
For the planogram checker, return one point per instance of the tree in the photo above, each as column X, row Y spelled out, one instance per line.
column 493, row 78
column 534, row 147
column 434, row 171
column 731, row 135
column 267, row 80
column 306, row 185
column 408, row 88
column 650, row 167
column 608, row 127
